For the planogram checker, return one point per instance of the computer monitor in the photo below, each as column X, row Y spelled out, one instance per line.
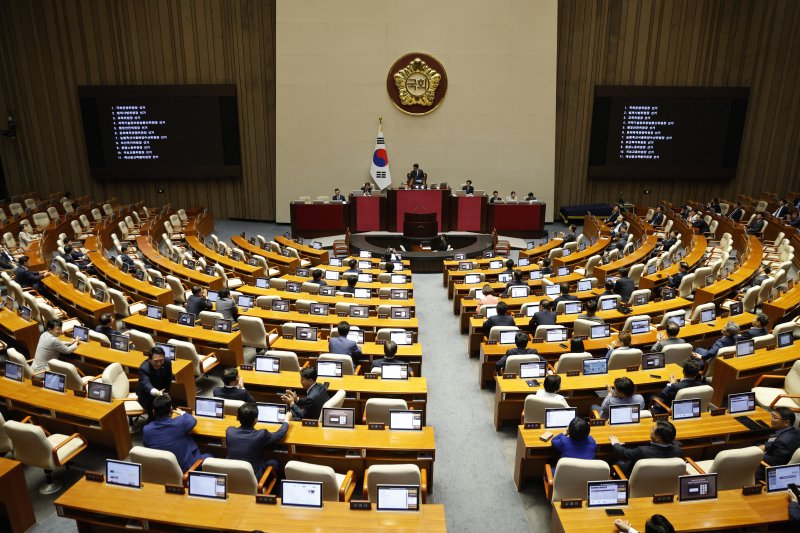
column 156, row 312
column 253, row 261
column 471, row 279
column 608, row 304
column 559, row 417
column 208, row 485
column 365, row 278
column 582, row 246
column 97, row 390
column 623, row 414
column 736, row 308
column 402, row 338
column 301, row 493
column 523, row 261
column 401, row 420
column 316, row 245
column 488, row 254
column 210, row 271
column 530, row 245
column 338, row 417
column 531, row 309
column 785, row 339
column 678, row 320
column 741, row 402
column 119, row 342
column 365, row 264
column 169, row 350
column 399, row 294
column 268, row 364
column 213, row 296
column 397, row 498
column 600, row 331
column 303, row 333
column 362, row 293
column 186, row 319
column 244, row 301
column 595, row 366
column 685, row 409
column 640, row 299
column 292, row 286
column 100, row 295
column 327, row 290
column 398, row 278
column 366, row 254
column 533, row 369
column 359, row 311
column 505, row 277
column 139, row 275
column 209, row 407
column 394, row 371
column 651, row 269
column 666, row 263
column 557, row 335
column 698, row 487
column 271, row 413
column 14, row 371
column 159, row 282
column 572, row 308
column 332, row 275
column 668, row 294
column 564, row 253
column 356, row 335
column 329, row 369
column 652, row 361
column 223, row 325
column 459, row 256
column 281, row 306
column 25, row 313
column 508, row 337
column 584, row 285
column 81, row 286
column 54, row 381
column 335, row 262
column 780, row 477
column 318, row 309
column 535, row 274
column 707, row 315
column 563, row 271
column 518, row 292
column 609, row 493
column 494, row 265
column 123, row 474
column 81, row 333
column 640, row 326
column 489, row 310
column 747, row 347
column 400, row 313
column 552, row 290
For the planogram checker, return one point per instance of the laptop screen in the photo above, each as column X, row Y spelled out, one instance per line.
column 747, row 347
column 552, row 290
column 223, row 325
column 394, row 371
column 785, row 339
column 155, row 312
column 356, row 335
column 332, row 275
column 119, row 342
column 640, row 299
column 169, row 350
column 470, row 279
column 398, row 278
column 607, row 493
column 365, row 264
column 699, row 487
column 600, row 331
column 362, row 293
column 780, row 477
column 55, row 381
column 683, row 409
column 14, row 371
column 81, row 333
column 318, row 309
column 359, row 311
column 99, row 391
column 366, row 254
column 268, row 364
column 742, row 402
column 623, row 414
column 303, row 333
column 213, row 296
column 405, row 420
column 316, row 245
column 668, row 294
column 651, row 269
column 572, row 308
column 400, row 313
column 523, row 261
column 301, row 272
column 678, row 320
column 489, row 310
column 325, row 290
column 398, row 498
column 559, row 417
column 292, row 286
column 608, row 304
column 100, row 295
column 494, row 265
column 736, row 308
column 208, row 485
column 209, row 407
column 245, row 301
column 301, row 493
column 557, row 335
column 563, row 271
column 186, row 319
column 25, row 312
column 595, row 366
column 535, row 274
column 338, row 417
column 261, row 283
column 651, row 361
column 402, row 338
column 365, row 278
column 640, row 326
column 707, row 315
column 335, row 262
column 519, row 292
column 123, row 474
column 399, row 294
column 508, row 337
column 280, row 305
column 584, row 285
column 504, row 277
column 531, row 309
column 533, row 369
column 271, row 413
column 329, row 369
column 458, row 256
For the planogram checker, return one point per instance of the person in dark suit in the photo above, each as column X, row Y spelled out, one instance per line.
column 576, row 441
column 197, row 301
column 367, row 189
column 125, row 258
column 794, row 218
column 728, row 338
column 546, row 269
column 591, row 310
column 468, row 188
column 686, row 213
column 675, row 279
column 232, row 387
column 521, row 342
column 662, row 446
column 608, row 285
column 784, row 442
column 612, row 218
column 25, row 277
column 755, row 227
column 622, row 240
column 670, row 241
column 782, row 211
column 673, row 330
column 246, row 443
column 495, row 197
column 691, row 378
column 624, row 285
column 316, row 395
column 342, row 345
column 658, row 217
column 172, row 434
column 500, row 319
column 758, row 329
column 714, row 206
column 565, row 296
column 571, row 235
column 338, row 196
column 416, row 178
column 389, row 353
column 516, row 281
column 737, row 212
column 510, row 265
column 545, row 317
column 106, row 325
column 351, row 285
column 761, row 277
column 155, row 378
column 352, row 268
column 77, row 258
column 316, row 277
column 700, row 223
column 226, row 306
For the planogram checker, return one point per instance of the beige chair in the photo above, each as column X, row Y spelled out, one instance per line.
column 570, row 477
column 115, row 376
column 5, row 442
column 570, row 362
column 202, row 364
column 535, row 406
column 33, row 446
column 241, row 478
column 377, row 409
column 231, row 283
column 254, row 335
column 685, row 288
column 788, row 396
column 764, row 341
column 122, row 306
column 158, row 466
column 172, row 312
column 667, row 316
column 178, row 290
column 75, row 378
column 265, row 302
column 622, row 358
column 583, row 328
column 290, row 328
column 541, row 331
column 703, row 392
column 513, row 362
column 141, row 341
column 734, row 468
column 41, row 220
column 348, row 369
column 288, row 360
column 677, row 353
column 603, row 298
column 394, row 475
column 630, row 319
column 335, row 401
column 207, row 318
column 654, row 476
column 335, row 487
column 495, row 332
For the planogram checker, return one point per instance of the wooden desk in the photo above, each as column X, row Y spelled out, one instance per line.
column 601, row 272
column 127, row 283
column 278, row 318
column 542, row 250
column 293, row 296
column 309, row 350
column 317, row 257
column 342, row 449
column 14, row 496
column 693, row 258
column 509, row 397
column 784, row 305
column 246, row 272
column 100, row 507
column 284, row 264
column 268, row 388
column 739, row 374
column 719, row 290
column 100, row 422
column 730, row 510
column 77, row 304
column 227, row 346
column 581, row 257
column 166, row 266
column 24, row 332
column 700, row 439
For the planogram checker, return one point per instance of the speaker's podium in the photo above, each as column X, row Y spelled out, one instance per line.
column 420, row 225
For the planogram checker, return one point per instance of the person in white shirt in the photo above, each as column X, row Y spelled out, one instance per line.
column 50, row 346
column 552, row 384
column 511, row 197
column 656, row 524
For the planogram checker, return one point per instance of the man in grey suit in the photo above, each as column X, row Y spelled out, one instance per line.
column 672, row 338
column 343, row 345
column 309, row 407
column 226, row 306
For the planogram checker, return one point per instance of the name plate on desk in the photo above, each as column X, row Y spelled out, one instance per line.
column 508, row 375
column 246, row 367
column 477, row 316
column 380, row 342
column 377, row 426
column 383, row 317
column 532, row 425
column 95, row 476
column 538, row 341
column 310, row 423
column 80, row 393
column 662, row 417
column 383, row 297
column 571, row 503
column 573, row 373
column 303, row 312
column 371, row 375
column 341, row 314
column 749, row 490
column 663, row 498
column 718, row 411
column 597, row 422
column 727, row 355
column 491, row 342
column 360, row 505
column 632, row 368
column 288, row 337
column 268, row 499
column 174, row 489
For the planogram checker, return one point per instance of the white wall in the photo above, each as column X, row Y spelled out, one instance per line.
column 496, row 125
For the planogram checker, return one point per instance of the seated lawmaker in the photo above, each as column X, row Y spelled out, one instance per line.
column 565, row 296
column 737, row 212
column 758, row 328
column 622, row 393
column 691, row 378
column 232, row 387
column 576, row 442
column 783, row 442
column 389, row 356
column 546, row 267
column 500, row 319
column 488, row 298
column 624, row 340
column 700, row 223
column 673, row 330
column 107, row 325
column 658, row 217
column 662, row 446
column 495, row 197
column 655, row 524
column 316, row 277
column 309, row 407
column 27, row 278
column 352, row 268
column 728, row 338
column 669, row 242
column 516, row 281
column 338, row 197
column 546, row 316
column 675, row 279
column 342, row 345
column 246, row 443
column 172, row 434
column 531, row 197
column 571, row 235
column 624, row 286
column 351, row 285
column 550, row 387
column 521, row 342
column 468, row 188
column 226, row 306
column 591, row 310
column 757, row 225
column 197, row 302
column 367, row 189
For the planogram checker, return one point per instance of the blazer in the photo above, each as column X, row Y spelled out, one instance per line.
column 501, row 363
column 126, row 260
column 196, row 304
column 781, row 211
column 657, row 219
column 779, row 450
column 542, row 318
column 671, row 390
column 722, row 342
column 338, row 198
column 675, row 279
column 248, row 444
column 150, row 378
column 469, row 189
column 344, row 346
column 659, row 345
column 624, row 287
column 578, row 449
column 497, row 320
column 648, row 451
column 736, row 214
column 227, row 307
column 233, row 393
column 311, row 406
column 669, row 243
column 752, row 332
column 755, row 226
column 25, row 277
column 612, row 218
column 701, row 225
column 569, row 237
column 173, row 435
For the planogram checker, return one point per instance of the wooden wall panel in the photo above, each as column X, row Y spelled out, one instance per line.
column 752, row 43
column 50, row 47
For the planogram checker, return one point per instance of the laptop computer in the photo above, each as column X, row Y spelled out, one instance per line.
column 401, row 420
column 557, row 335
column 209, row 407
column 780, row 477
column 686, row 409
column 595, row 366
column 81, row 333
column 471, row 279
column 608, row 493
column 584, row 285
column 208, row 485
column 338, row 417
column 329, row 369
column 572, row 308
column 169, row 350
column 402, row 338
column 271, row 413
column 489, row 310
column 747, row 347
column 394, row 371
column 652, row 361
column 303, row 333
column 600, row 331
column 332, row 275
column 742, row 402
column 301, row 493
column 223, row 325
column 213, row 296
column 623, row 414
column 559, row 417
column 14, row 371
column 119, row 342
column 698, row 487
column 508, row 337
column 362, row 293
column 244, row 301
column 268, row 364
column 533, row 369
column 54, row 381
column 397, row 497
column 123, row 474
column 531, row 309
column 97, row 390
column 155, row 312
column 518, row 292
column 552, row 290
column 608, row 304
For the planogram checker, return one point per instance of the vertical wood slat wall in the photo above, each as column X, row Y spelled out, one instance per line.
column 751, row 43
column 50, row 47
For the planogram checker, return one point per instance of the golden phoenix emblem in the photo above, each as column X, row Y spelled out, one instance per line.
column 417, row 83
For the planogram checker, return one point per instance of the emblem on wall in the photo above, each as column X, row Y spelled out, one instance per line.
column 417, row 83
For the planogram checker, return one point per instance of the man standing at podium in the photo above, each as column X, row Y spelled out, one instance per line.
column 416, row 178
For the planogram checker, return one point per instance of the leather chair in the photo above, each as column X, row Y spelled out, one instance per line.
column 570, row 477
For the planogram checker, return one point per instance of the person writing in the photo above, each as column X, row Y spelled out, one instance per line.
column 576, row 441
column 309, row 407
